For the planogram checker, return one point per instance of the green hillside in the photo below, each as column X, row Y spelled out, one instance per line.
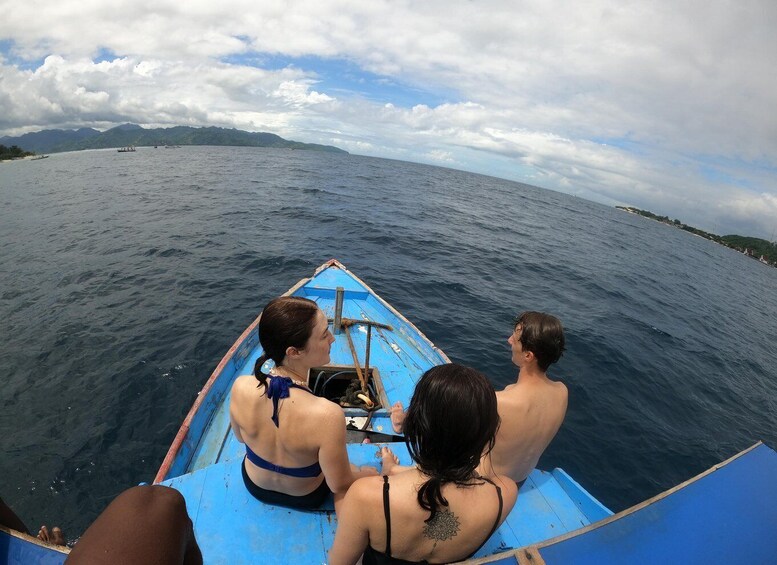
column 758, row 246
column 755, row 246
column 53, row 141
column 12, row 152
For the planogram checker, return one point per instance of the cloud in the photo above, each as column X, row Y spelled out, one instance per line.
column 440, row 156
column 660, row 104
column 75, row 92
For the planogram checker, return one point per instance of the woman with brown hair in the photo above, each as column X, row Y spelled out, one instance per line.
column 295, row 441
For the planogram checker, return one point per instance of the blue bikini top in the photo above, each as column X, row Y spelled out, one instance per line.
column 277, row 389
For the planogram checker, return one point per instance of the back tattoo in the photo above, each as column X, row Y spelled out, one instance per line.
column 443, row 526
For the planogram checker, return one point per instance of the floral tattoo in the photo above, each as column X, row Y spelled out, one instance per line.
column 444, row 526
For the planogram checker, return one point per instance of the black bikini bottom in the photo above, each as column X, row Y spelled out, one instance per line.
column 306, row 501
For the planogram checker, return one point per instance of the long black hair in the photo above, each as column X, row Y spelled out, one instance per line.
column 287, row 321
column 451, row 423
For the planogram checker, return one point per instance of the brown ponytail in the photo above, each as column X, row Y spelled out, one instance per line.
column 286, row 321
column 260, row 376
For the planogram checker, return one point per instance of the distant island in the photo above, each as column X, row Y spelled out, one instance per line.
column 761, row 249
column 127, row 135
column 13, row 152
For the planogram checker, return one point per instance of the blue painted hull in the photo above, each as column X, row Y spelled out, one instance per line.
column 20, row 549
column 725, row 515
column 204, row 461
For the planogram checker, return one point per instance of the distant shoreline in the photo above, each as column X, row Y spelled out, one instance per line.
column 761, row 250
column 125, row 135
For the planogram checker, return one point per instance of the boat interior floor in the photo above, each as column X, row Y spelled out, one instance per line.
column 224, row 513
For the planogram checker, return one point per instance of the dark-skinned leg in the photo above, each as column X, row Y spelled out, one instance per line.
column 10, row 520
column 146, row 524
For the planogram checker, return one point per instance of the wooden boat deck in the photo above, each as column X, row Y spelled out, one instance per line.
column 233, row 527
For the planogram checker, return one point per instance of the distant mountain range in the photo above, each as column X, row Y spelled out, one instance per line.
column 56, row 140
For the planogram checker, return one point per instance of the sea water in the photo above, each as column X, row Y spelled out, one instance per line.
column 126, row 277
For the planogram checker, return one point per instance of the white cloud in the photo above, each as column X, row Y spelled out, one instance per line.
column 73, row 92
column 625, row 102
column 440, row 156
column 299, row 94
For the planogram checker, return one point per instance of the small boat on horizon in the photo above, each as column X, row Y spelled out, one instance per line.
column 128, row 149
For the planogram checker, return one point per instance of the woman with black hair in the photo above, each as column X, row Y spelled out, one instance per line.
column 441, row 510
column 295, row 441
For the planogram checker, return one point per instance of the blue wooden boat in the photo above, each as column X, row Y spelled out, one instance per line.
column 204, row 460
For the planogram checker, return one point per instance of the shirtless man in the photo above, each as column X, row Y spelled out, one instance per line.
column 532, row 408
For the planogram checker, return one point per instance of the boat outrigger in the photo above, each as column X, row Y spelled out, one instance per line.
column 727, row 514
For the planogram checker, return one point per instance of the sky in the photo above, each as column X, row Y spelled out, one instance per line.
column 669, row 106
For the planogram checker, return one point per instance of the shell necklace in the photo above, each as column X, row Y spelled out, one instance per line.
column 299, row 381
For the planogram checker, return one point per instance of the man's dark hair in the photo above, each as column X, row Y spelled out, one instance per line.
column 543, row 335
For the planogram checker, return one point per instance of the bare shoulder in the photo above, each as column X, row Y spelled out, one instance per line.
column 561, row 389
column 368, row 486
column 558, row 384
column 325, row 409
column 512, row 398
column 243, row 384
column 507, row 394
column 509, row 492
column 326, row 415
column 366, row 491
column 362, row 502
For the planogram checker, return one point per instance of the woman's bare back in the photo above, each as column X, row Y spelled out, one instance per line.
column 456, row 531
column 294, row 443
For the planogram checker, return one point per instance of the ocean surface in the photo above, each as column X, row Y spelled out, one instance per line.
column 126, row 276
